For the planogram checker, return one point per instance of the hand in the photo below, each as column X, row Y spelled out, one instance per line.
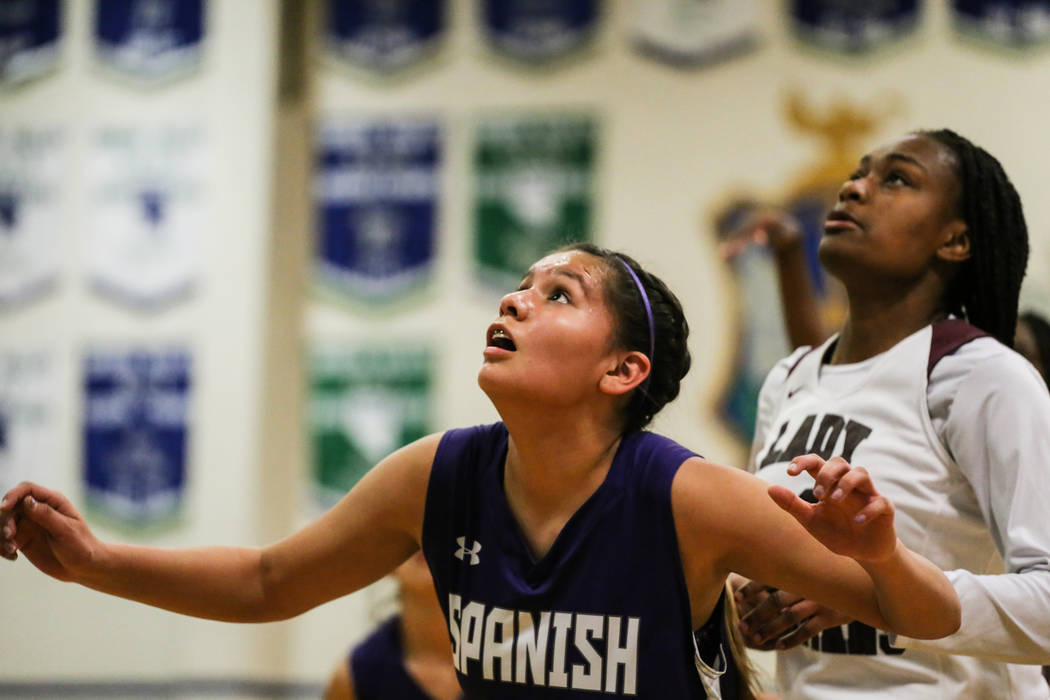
column 774, row 619
column 47, row 529
column 764, row 226
column 851, row 518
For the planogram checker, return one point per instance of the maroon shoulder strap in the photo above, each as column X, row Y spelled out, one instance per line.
column 949, row 336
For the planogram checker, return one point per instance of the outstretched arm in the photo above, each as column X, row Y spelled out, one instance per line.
column 366, row 535
column 842, row 551
column 782, row 233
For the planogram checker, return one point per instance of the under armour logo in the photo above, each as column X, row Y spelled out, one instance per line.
column 463, row 552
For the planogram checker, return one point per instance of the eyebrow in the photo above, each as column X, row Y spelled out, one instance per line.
column 564, row 272
column 894, row 156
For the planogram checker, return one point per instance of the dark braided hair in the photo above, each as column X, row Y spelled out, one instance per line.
column 988, row 285
column 671, row 358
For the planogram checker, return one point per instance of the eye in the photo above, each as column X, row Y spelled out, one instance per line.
column 561, row 296
column 896, row 177
column 857, row 174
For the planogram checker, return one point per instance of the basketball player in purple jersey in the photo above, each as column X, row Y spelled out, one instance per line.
column 927, row 232
column 573, row 552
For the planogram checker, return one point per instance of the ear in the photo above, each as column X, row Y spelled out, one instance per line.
column 630, row 370
column 955, row 246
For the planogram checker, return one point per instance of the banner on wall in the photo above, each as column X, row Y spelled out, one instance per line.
column 536, row 31
column 29, row 39
column 383, row 35
column 533, row 191
column 365, row 402
column 853, row 27
column 1008, row 23
column 692, row 33
column 27, row 417
column 135, row 433
column 146, row 212
column 376, row 193
column 32, row 162
column 149, row 41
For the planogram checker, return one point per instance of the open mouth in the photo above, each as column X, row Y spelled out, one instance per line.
column 498, row 338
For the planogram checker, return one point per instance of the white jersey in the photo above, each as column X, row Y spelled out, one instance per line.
column 956, row 432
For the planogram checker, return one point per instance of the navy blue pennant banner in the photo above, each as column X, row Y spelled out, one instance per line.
column 149, row 42
column 376, row 193
column 28, row 432
column 146, row 212
column 32, row 167
column 536, row 31
column 690, row 33
column 852, row 27
column 136, row 427
column 534, row 191
column 365, row 403
column 29, row 39
column 384, row 35
column 1013, row 24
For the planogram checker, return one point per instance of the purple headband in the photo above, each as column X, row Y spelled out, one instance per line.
column 648, row 312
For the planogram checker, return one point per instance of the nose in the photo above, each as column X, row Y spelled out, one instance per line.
column 516, row 304
column 853, row 189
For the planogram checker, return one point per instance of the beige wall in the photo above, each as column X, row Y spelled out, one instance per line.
column 674, row 143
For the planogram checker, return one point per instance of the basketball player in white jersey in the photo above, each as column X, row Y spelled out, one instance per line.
column 921, row 385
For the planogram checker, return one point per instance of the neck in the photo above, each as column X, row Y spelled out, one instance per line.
column 554, row 463
column 876, row 322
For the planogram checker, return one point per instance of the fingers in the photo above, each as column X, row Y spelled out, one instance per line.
column 786, row 499
column 53, row 498
column 834, row 478
column 878, row 508
column 769, row 620
column 815, row 619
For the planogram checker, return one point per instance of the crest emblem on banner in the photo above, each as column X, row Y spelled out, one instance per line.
column 383, row 35
column 149, row 41
column 31, row 162
column 761, row 339
column 27, row 417
column 853, row 27
column 536, row 31
column 1006, row 23
column 533, row 191
column 146, row 212
column 135, row 434
column 376, row 191
column 365, row 402
column 692, row 33
column 29, row 39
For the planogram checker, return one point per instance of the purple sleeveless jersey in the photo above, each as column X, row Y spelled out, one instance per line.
column 605, row 611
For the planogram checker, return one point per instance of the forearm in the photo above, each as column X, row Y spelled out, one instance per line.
column 798, row 297
column 1005, row 617
column 914, row 597
column 217, row 583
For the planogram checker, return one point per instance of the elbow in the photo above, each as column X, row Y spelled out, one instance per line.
column 946, row 623
column 270, row 601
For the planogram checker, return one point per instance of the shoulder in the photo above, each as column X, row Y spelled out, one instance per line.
column 983, row 367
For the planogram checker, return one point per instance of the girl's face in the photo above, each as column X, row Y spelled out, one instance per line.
column 552, row 341
column 895, row 214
